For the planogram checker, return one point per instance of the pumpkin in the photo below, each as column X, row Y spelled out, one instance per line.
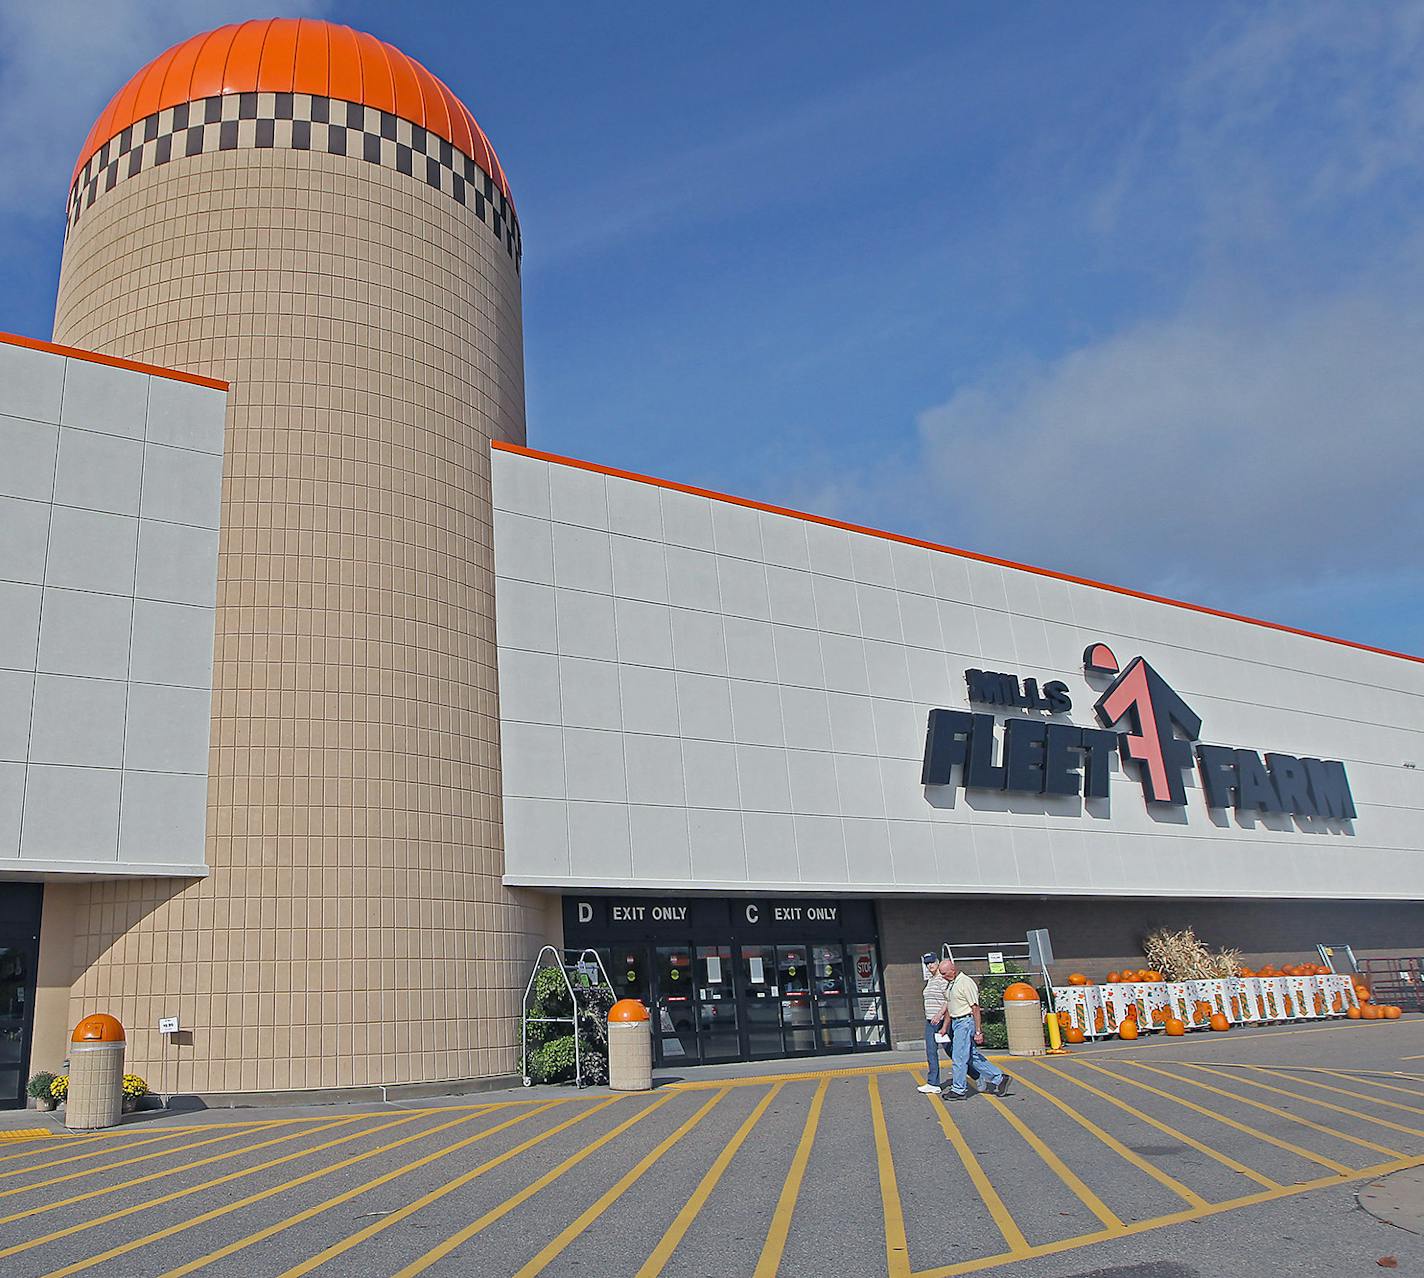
column 1128, row 1029
column 1175, row 1028
column 1393, row 1013
column 1353, row 1013
column 1219, row 1022
column 1073, row 1035
column 1077, row 978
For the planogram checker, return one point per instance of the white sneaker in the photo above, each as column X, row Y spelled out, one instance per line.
column 929, row 1089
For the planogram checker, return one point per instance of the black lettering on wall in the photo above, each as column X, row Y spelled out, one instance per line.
column 1253, row 784
column 1023, row 755
column 1098, row 746
column 981, row 772
column 1217, row 765
column 1292, row 784
column 1061, row 758
column 946, row 743
column 1330, row 788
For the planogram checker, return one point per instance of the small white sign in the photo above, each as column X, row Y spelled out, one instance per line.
column 714, row 970
column 996, row 961
column 756, row 970
column 168, row 1025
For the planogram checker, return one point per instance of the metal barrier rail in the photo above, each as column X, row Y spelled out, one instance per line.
column 1099, row 1010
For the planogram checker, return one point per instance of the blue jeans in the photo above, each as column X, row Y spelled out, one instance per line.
column 932, row 1052
column 967, row 1056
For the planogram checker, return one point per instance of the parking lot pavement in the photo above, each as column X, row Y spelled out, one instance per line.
column 1173, row 1158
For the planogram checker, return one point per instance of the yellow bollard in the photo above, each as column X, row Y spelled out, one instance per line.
column 1055, row 1041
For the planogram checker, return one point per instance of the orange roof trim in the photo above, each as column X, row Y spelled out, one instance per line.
column 503, row 447
column 286, row 55
column 113, row 361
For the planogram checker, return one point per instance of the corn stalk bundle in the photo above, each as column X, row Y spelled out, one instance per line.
column 1183, row 956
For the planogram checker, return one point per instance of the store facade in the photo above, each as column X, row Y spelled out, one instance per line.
column 325, row 704
column 713, row 703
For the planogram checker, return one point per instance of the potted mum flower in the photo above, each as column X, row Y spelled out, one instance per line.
column 135, row 1089
column 41, row 1097
column 59, row 1088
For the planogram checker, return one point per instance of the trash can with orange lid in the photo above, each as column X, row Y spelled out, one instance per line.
column 1023, row 1018
column 630, row 1047
column 96, row 1074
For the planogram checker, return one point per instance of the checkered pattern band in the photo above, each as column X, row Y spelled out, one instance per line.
column 296, row 122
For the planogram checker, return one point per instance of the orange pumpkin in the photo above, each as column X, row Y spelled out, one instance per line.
column 1077, row 978
column 1073, row 1035
column 1113, row 978
column 1369, row 1012
column 1353, row 1014
column 1219, row 1021
column 1128, row 1029
column 1175, row 1028
column 1152, row 975
column 1393, row 1013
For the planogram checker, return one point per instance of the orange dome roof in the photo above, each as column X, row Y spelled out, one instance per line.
column 296, row 55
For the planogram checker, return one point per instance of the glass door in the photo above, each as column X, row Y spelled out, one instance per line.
column 675, row 1009
column 716, row 1004
column 16, row 987
column 761, row 1006
column 832, row 998
column 793, row 977
column 867, row 996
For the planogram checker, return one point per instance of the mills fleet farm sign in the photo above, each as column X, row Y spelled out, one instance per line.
column 1140, row 718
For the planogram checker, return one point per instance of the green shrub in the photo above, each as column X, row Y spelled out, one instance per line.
column 40, row 1084
column 551, row 1042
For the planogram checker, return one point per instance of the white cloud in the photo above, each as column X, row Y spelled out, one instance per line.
column 60, row 63
column 1210, row 451
column 1258, row 442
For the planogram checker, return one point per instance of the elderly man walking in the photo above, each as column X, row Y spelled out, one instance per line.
column 967, row 1032
column 936, row 1019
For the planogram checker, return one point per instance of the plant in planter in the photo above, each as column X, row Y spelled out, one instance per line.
column 135, row 1089
column 39, row 1089
column 59, row 1088
column 551, row 1044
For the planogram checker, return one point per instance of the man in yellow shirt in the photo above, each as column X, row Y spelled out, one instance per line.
column 966, row 1028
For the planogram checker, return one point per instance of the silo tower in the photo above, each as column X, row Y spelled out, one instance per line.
column 309, row 214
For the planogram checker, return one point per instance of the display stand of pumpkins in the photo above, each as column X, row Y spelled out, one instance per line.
column 1204, row 1015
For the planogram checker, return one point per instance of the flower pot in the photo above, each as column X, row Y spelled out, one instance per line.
column 43, row 1103
column 130, row 1103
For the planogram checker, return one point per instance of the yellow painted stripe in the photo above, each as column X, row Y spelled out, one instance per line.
column 897, row 1246
column 1162, row 1178
column 1060, row 1169
column 192, row 1189
column 1280, row 1113
column 1371, row 1082
column 802, row 1076
column 1176, row 1218
column 1003, row 1218
column 103, row 1167
column 1224, row 1159
column 615, row 1191
column 268, row 1193
column 1339, row 1091
column 1277, row 1090
column 770, row 1259
column 434, row 1195
column 662, row 1253
column 26, row 1133
column 70, row 1142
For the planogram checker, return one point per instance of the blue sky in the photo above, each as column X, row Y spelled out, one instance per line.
column 1135, row 292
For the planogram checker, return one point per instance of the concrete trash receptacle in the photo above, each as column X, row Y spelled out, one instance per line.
column 630, row 1047
column 1023, row 1018
column 96, row 1074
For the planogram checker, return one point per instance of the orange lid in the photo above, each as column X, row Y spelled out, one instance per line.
column 1020, row 991
column 627, row 1009
column 296, row 55
column 98, row 1028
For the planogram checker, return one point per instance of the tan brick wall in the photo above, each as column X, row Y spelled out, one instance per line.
column 1099, row 935
column 354, row 928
